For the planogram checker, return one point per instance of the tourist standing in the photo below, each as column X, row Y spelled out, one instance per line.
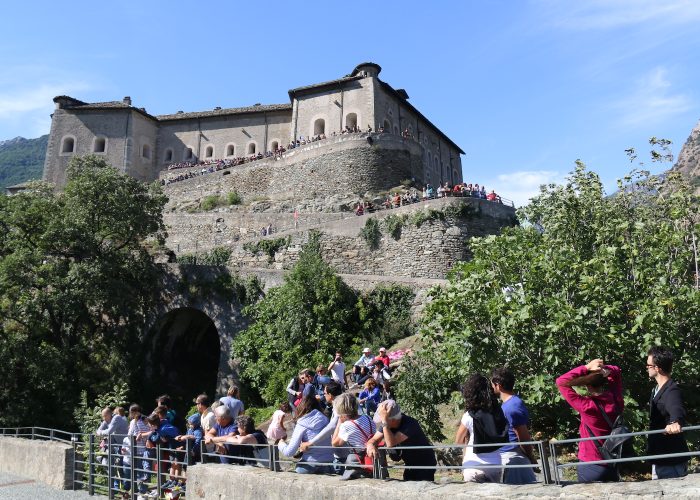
column 666, row 411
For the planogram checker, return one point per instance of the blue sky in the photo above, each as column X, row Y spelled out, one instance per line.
column 524, row 87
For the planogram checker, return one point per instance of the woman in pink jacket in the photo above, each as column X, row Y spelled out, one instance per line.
column 604, row 385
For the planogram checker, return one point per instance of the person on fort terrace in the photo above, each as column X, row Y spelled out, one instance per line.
column 353, row 431
column 332, row 390
column 478, row 395
column 382, row 356
column 482, row 193
column 318, row 382
column 666, row 411
column 594, row 376
column 307, row 377
column 294, row 389
column 396, row 200
column 113, row 423
column 239, row 445
column 337, row 369
column 369, row 398
column 398, row 429
column 380, row 374
column 491, row 196
column 515, row 411
column 364, row 361
column 234, row 404
column 440, row 191
column 310, row 422
column 224, row 427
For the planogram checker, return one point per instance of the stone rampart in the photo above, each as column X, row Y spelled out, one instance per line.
column 46, row 461
column 343, row 164
column 242, row 483
column 436, row 245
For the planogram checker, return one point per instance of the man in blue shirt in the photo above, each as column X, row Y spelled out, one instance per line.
column 224, row 427
column 503, row 381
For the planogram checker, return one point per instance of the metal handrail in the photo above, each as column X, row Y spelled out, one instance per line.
column 557, row 466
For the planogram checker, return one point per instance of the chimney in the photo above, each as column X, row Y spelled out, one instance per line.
column 127, row 101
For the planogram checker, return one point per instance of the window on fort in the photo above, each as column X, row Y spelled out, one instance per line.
column 146, row 151
column 320, row 126
column 168, row 155
column 188, row 154
column 209, row 152
column 387, row 126
column 251, row 148
column 68, row 145
column 274, row 145
column 351, row 120
column 100, row 145
column 230, row 150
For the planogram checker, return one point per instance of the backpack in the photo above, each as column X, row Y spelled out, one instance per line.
column 489, row 427
column 613, row 447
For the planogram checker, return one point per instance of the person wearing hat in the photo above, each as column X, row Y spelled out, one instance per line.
column 194, row 434
column 397, row 429
column 382, row 357
column 360, row 370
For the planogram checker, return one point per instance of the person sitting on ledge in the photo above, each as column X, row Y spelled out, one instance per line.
column 353, row 431
column 247, row 442
column 491, row 196
column 224, row 427
column 310, row 422
column 396, row 201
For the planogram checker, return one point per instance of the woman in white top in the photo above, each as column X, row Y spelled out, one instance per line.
column 353, row 431
column 478, row 395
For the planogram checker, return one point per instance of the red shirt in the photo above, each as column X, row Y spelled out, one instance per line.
column 610, row 400
column 384, row 359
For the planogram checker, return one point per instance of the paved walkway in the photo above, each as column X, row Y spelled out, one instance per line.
column 21, row 488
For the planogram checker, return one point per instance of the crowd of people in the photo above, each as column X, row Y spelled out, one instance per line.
column 338, row 430
column 396, row 199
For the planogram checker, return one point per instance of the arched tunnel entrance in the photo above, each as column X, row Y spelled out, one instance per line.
column 182, row 358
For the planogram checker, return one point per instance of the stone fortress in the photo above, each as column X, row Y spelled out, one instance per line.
column 311, row 187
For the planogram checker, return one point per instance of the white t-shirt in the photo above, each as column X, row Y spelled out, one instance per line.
column 338, row 372
column 352, row 436
column 473, row 460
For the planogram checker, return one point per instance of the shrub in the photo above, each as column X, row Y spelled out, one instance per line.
column 268, row 246
column 210, row 202
column 408, row 183
column 393, row 225
column 422, row 216
column 234, row 198
column 371, row 233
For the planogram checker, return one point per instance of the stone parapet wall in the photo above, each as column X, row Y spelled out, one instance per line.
column 343, row 164
column 428, row 251
column 45, row 461
column 242, row 483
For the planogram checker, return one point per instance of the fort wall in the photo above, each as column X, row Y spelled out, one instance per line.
column 342, row 164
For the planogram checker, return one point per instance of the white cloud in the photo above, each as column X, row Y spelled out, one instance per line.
column 522, row 185
column 651, row 101
column 610, row 14
column 25, row 106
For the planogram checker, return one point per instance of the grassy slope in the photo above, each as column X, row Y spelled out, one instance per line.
column 22, row 160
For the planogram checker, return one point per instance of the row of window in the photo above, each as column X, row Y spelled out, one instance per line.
column 210, row 152
column 99, row 146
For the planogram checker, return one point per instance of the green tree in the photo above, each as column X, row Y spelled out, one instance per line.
column 296, row 325
column 76, row 284
column 586, row 276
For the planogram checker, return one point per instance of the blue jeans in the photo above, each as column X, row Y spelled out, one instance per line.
column 313, row 469
column 669, row 471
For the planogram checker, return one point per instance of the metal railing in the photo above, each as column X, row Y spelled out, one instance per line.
column 558, row 467
column 101, row 465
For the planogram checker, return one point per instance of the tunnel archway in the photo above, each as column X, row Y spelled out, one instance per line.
column 182, row 358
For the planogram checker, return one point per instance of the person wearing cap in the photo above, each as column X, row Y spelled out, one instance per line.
column 397, row 429
column 360, row 370
column 194, row 434
column 382, row 357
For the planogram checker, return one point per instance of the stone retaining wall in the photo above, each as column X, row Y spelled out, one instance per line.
column 436, row 245
column 45, row 461
column 347, row 164
column 241, row 483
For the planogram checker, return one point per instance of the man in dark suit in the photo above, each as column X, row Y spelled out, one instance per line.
column 666, row 412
